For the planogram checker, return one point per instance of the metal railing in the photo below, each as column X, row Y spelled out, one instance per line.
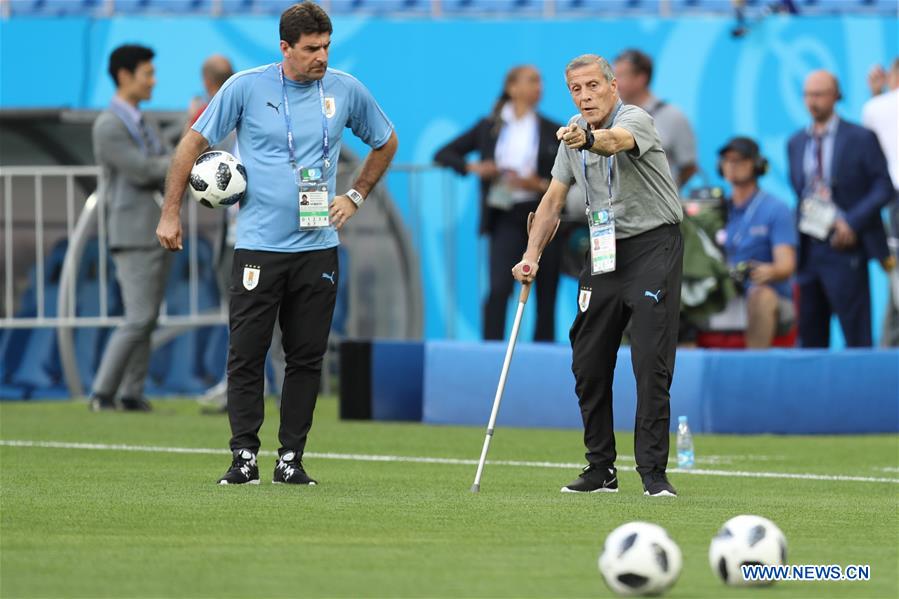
column 78, row 231
column 43, row 205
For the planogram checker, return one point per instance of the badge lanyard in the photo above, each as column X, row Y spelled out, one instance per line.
column 746, row 221
column 611, row 162
column 817, row 211
column 326, row 141
column 147, row 142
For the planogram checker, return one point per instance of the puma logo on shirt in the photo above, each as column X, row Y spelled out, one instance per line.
column 654, row 296
column 277, row 108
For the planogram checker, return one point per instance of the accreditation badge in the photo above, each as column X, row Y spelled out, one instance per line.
column 500, row 196
column 313, row 199
column 602, row 241
column 817, row 213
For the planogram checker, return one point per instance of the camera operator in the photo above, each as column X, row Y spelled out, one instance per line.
column 759, row 243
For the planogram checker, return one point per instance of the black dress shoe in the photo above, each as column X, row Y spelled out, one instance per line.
column 136, row 404
column 100, row 403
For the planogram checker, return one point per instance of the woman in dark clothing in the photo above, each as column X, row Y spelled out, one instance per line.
column 517, row 148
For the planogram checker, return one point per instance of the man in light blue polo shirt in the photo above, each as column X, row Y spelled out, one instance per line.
column 290, row 118
column 759, row 243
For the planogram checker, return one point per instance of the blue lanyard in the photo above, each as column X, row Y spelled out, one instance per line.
column 326, row 141
column 746, row 220
column 611, row 162
column 146, row 141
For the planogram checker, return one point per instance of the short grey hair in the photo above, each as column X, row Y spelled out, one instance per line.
column 585, row 60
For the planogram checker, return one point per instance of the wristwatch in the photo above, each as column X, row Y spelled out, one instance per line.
column 356, row 197
column 590, row 139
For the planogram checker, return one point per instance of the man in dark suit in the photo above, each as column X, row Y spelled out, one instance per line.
column 517, row 148
column 134, row 164
column 841, row 180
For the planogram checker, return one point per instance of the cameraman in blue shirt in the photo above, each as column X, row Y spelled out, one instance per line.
column 290, row 117
column 759, row 243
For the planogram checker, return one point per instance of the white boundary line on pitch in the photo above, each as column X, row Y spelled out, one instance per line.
column 427, row 460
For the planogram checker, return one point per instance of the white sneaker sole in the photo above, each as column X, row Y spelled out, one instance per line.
column 660, row 494
column 278, row 482
column 249, row 482
column 603, row 490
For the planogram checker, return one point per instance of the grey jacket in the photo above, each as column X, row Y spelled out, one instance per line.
column 130, row 184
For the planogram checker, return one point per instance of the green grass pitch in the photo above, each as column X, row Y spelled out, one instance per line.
column 116, row 523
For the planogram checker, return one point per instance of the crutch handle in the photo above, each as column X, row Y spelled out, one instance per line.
column 525, row 291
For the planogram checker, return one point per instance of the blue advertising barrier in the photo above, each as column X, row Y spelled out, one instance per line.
column 397, row 369
column 742, row 392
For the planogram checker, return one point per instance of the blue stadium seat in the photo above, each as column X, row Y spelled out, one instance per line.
column 825, row 7
column 379, row 7
column 90, row 342
column 38, row 368
column 180, row 365
column 11, row 343
column 240, row 7
column 679, row 7
column 31, row 356
column 51, row 8
column 215, row 353
column 612, row 7
column 25, row 7
column 345, row 7
column 506, row 7
column 127, row 7
column 270, row 6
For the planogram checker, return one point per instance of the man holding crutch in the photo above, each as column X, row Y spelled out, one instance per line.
column 633, row 272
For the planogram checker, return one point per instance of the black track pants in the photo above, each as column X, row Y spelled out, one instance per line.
column 304, row 286
column 645, row 290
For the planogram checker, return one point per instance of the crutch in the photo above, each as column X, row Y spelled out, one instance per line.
column 491, row 425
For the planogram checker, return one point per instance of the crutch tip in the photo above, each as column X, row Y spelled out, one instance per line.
column 475, row 488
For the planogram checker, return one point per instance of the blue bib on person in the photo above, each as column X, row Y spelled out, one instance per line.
column 251, row 102
column 754, row 229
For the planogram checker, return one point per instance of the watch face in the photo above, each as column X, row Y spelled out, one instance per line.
column 355, row 196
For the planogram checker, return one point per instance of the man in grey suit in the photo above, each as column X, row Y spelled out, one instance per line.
column 134, row 165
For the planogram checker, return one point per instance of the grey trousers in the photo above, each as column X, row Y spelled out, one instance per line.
column 142, row 275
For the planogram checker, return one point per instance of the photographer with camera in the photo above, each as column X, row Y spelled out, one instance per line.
column 759, row 243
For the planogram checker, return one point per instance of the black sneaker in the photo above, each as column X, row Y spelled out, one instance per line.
column 289, row 470
column 655, row 484
column 100, row 403
column 594, row 479
column 243, row 470
column 136, row 404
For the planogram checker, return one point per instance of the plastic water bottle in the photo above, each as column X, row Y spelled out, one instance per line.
column 685, row 456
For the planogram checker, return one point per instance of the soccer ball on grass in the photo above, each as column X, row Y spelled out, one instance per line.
column 639, row 558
